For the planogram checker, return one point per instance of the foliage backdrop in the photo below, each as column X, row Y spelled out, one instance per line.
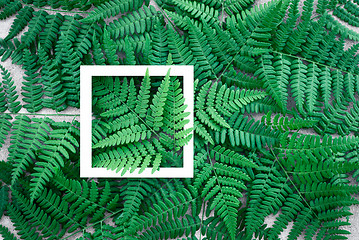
column 250, row 62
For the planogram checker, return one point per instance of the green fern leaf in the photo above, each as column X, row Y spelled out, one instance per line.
column 275, row 77
column 20, row 22
column 6, row 234
column 10, row 91
column 111, row 9
column 55, row 150
column 10, row 9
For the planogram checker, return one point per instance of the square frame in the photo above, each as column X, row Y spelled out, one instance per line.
column 86, row 74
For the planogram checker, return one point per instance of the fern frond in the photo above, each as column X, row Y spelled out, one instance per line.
column 54, row 152
column 70, row 74
column 53, row 89
column 10, row 91
column 5, row 126
column 110, row 49
column 4, row 199
column 10, row 9
column 235, row 7
column 179, row 48
column 33, row 89
column 6, row 234
column 159, row 47
column 26, row 140
column 138, row 22
column 48, row 226
column 125, row 136
column 206, row 61
column 187, row 226
column 111, row 9
column 267, row 191
column 22, row 225
column 83, row 39
column 20, row 22
column 274, row 72
column 283, row 123
column 36, row 24
column 51, row 29
column 86, row 200
column 339, row 118
column 130, row 57
column 57, row 208
column 198, row 10
column 155, row 120
column 238, row 79
column 311, row 91
column 222, row 184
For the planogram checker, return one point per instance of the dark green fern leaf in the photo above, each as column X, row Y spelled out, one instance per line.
column 274, row 72
column 5, row 126
column 10, row 91
column 111, row 9
column 10, row 9
column 21, row 21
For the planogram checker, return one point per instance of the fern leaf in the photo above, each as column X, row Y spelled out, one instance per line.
column 338, row 84
column 47, row 225
column 6, row 234
column 206, row 61
column 35, row 26
column 199, row 10
column 10, row 9
column 5, row 126
column 51, row 29
column 325, row 80
column 27, row 139
column 10, row 91
column 53, row 205
column 22, row 224
column 52, row 85
column 137, row 22
column 312, row 86
column 284, row 124
column 20, row 22
column 86, row 202
column 111, row 9
column 349, row 86
column 32, row 89
column 275, row 77
column 159, row 47
column 4, row 199
column 231, row 77
column 156, row 120
column 130, row 58
column 110, row 49
column 55, row 150
column 269, row 187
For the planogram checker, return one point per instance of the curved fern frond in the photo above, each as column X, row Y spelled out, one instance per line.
column 20, row 22
column 62, row 141
column 111, row 9
column 27, row 139
column 10, row 9
column 274, row 72
column 283, row 123
column 33, row 88
column 86, row 199
column 10, row 91
column 138, row 22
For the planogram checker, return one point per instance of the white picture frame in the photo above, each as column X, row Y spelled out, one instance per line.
column 86, row 74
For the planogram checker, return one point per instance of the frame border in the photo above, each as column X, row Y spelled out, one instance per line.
column 86, row 74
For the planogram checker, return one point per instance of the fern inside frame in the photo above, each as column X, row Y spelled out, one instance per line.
column 143, row 134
